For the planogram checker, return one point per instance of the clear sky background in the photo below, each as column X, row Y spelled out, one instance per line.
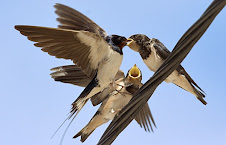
column 33, row 105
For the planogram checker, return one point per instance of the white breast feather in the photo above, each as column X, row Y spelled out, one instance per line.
column 109, row 67
column 154, row 61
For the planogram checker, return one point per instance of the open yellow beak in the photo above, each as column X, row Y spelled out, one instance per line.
column 133, row 45
column 134, row 72
column 129, row 41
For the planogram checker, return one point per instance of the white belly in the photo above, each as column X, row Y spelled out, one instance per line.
column 153, row 62
column 109, row 68
column 174, row 76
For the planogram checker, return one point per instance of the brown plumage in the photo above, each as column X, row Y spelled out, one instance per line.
column 85, row 43
column 153, row 53
column 115, row 101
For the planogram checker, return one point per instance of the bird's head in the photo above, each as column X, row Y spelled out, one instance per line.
column 136, row 42
column 119, row 41
column 134, row 75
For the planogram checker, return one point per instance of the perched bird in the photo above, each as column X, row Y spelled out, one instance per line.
column 153, row 53
column 180, row 51
column 84, row 42
column 113, row 98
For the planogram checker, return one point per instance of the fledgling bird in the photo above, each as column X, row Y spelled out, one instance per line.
column 74, row 75
column 123, row 91
column 84, row 42
column 153, row 53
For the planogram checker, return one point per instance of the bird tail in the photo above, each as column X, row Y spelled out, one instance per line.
column 84, row 134
column 88, row 92
column 199, row 95
column 77, row 107
column 190, row 85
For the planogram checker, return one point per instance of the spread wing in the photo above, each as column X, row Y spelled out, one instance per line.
column 74, row 75
column 182, row 48
column 70, row 74
column 143, row 118
column 86, row 49
column 74, row 20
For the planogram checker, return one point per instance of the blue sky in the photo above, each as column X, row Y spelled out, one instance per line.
column 32, row 105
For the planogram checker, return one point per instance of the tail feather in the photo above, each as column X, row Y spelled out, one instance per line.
column 78, row 134
column 199, row 93
column 182, row 71
column 77, row 107
column 200, row 96
column 83, row 135
column 88, row 89
column 78, row 104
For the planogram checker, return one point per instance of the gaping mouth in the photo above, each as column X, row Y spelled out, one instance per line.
column 134, row 72
column 129, row 41
column 124, row 43
column 133, row 45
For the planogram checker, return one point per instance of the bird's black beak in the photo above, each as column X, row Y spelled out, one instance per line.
column 124, row 43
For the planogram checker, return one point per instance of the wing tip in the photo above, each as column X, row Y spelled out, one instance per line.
column 19, row 27
column 57, row 5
